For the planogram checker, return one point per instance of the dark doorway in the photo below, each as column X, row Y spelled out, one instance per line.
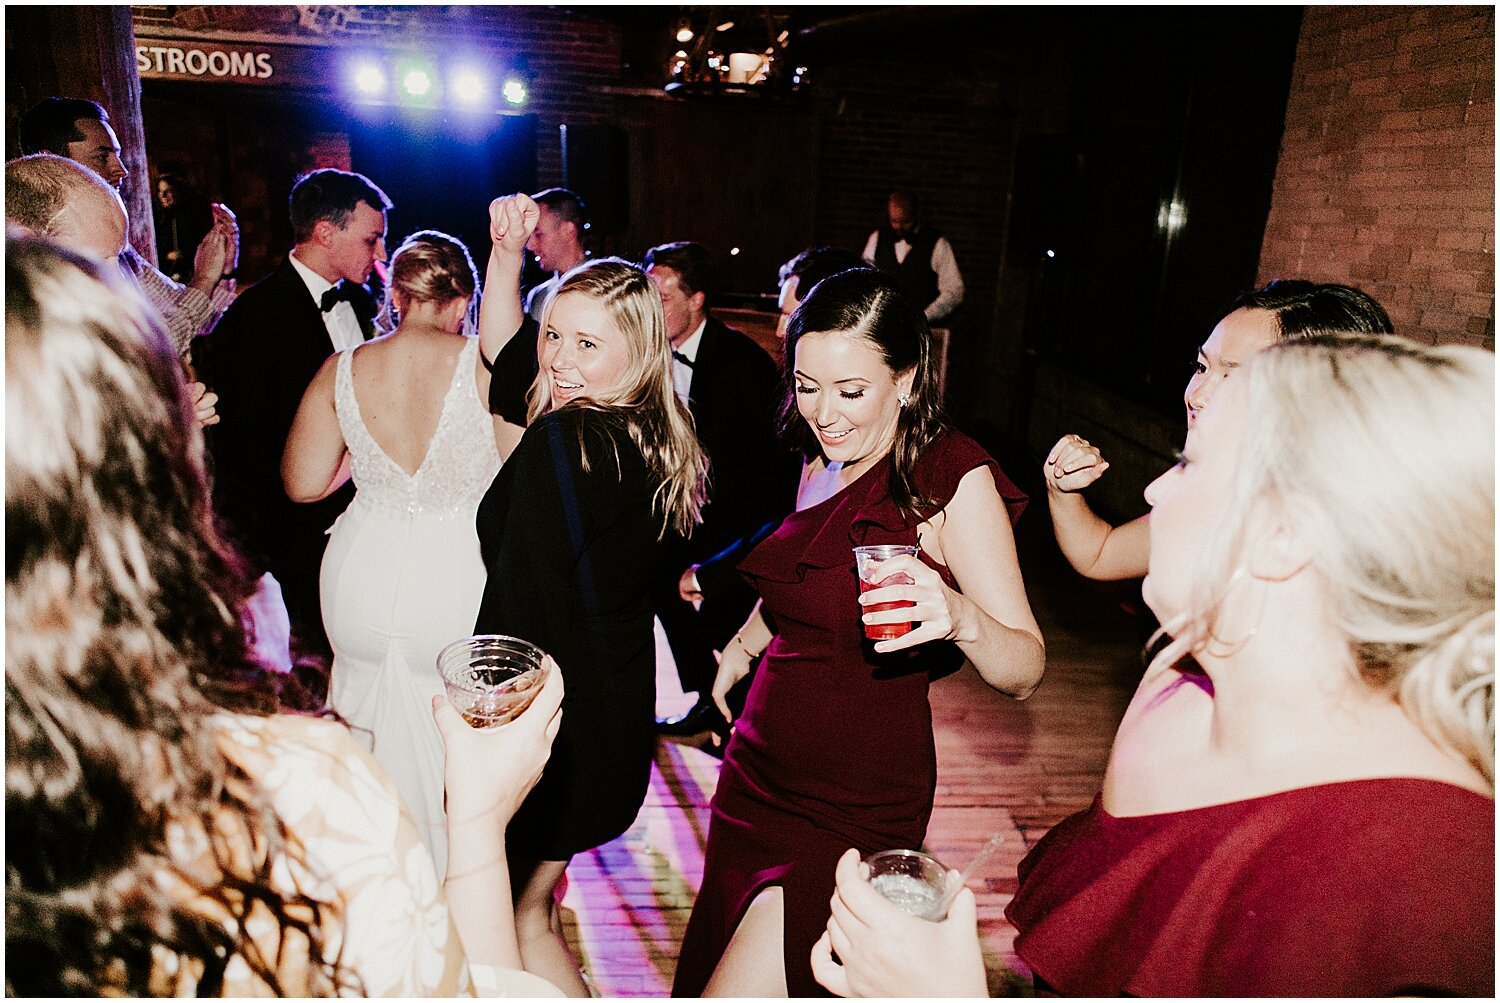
column 441, row 171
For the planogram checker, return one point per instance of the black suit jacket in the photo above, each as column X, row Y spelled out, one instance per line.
column 259, row 360
column 734, row 398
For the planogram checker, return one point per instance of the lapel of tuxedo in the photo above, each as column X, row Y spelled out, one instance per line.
column 307, row 334
column 704, row 369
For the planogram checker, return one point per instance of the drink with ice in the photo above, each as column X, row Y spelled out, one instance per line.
column 912, row 880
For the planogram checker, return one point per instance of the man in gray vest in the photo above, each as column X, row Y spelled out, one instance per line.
column 919, row 257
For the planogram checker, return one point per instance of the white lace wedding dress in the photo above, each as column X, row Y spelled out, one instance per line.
column 401, row 578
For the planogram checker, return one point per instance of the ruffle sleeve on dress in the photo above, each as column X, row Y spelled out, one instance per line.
column 863, row 514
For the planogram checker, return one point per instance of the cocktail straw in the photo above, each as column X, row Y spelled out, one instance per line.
column 990, row 846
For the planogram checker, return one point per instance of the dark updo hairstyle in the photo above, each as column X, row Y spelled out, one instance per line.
column 867, row 304
column 1306, row 309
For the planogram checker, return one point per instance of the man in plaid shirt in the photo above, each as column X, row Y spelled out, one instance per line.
column 80, row 130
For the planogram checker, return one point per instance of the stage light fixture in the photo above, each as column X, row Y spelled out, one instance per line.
column 468, row 86
column 515, row 91
column 417, row 82
column 369, row 78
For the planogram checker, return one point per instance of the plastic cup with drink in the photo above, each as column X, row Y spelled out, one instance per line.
column 868, row 561
column 913, row 880
column 491, row 678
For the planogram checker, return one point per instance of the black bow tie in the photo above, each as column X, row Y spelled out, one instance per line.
column 344, row 290
column 682, row 358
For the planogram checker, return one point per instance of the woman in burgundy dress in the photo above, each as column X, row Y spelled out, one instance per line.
column 835, row 746
column 1300, row 799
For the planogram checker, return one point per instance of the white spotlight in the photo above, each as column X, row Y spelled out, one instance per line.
column 368, row 78
column 468, row 86
column 417, row 82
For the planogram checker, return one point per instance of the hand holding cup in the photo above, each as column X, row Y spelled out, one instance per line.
column 884, row 951
column 491, row 770
column 907, row 604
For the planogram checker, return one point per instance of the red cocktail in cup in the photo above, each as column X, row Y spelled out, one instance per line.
column 868, row 561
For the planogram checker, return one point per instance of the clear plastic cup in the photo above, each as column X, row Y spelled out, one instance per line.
column 868, row 561
column 912, row 880
column 491, row 678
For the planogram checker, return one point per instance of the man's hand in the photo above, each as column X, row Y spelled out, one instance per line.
column 229, row 228
column 208, row 261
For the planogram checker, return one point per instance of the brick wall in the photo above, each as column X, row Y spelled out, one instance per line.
column 1387, row 173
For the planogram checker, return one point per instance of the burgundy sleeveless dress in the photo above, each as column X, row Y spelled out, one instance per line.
column 1361, row 888
column 835, row 746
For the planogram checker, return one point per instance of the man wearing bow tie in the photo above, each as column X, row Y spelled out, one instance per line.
column 919, row 257
column 260, row 359
column 730, row 385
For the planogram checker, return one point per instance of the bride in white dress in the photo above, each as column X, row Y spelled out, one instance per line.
column 406, row 415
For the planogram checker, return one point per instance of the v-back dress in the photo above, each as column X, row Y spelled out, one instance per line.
column 402, row 578
column 835, row 747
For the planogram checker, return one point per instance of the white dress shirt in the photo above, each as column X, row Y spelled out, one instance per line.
column 342, row 325
column 950, row 282
column 682, row 374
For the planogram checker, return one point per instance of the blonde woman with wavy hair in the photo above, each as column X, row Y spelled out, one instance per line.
column 1300, row 798
column 178, row 821
column 1316, row 742
column 658, row 424
column 607, row 464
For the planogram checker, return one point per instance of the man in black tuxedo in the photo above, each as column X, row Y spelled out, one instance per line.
column 260, row 359
column 730, row 384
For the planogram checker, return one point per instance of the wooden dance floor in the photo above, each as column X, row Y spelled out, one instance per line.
column 1004, row 766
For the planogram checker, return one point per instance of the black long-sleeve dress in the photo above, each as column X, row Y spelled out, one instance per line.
column 569, row 547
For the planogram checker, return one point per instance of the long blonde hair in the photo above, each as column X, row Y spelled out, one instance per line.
column 1387, row 449
column 644, row 400
column 124, row 635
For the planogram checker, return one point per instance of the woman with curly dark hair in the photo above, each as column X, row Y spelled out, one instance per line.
column 167, row 831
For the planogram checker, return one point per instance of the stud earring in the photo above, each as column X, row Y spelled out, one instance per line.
column 903, row 399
